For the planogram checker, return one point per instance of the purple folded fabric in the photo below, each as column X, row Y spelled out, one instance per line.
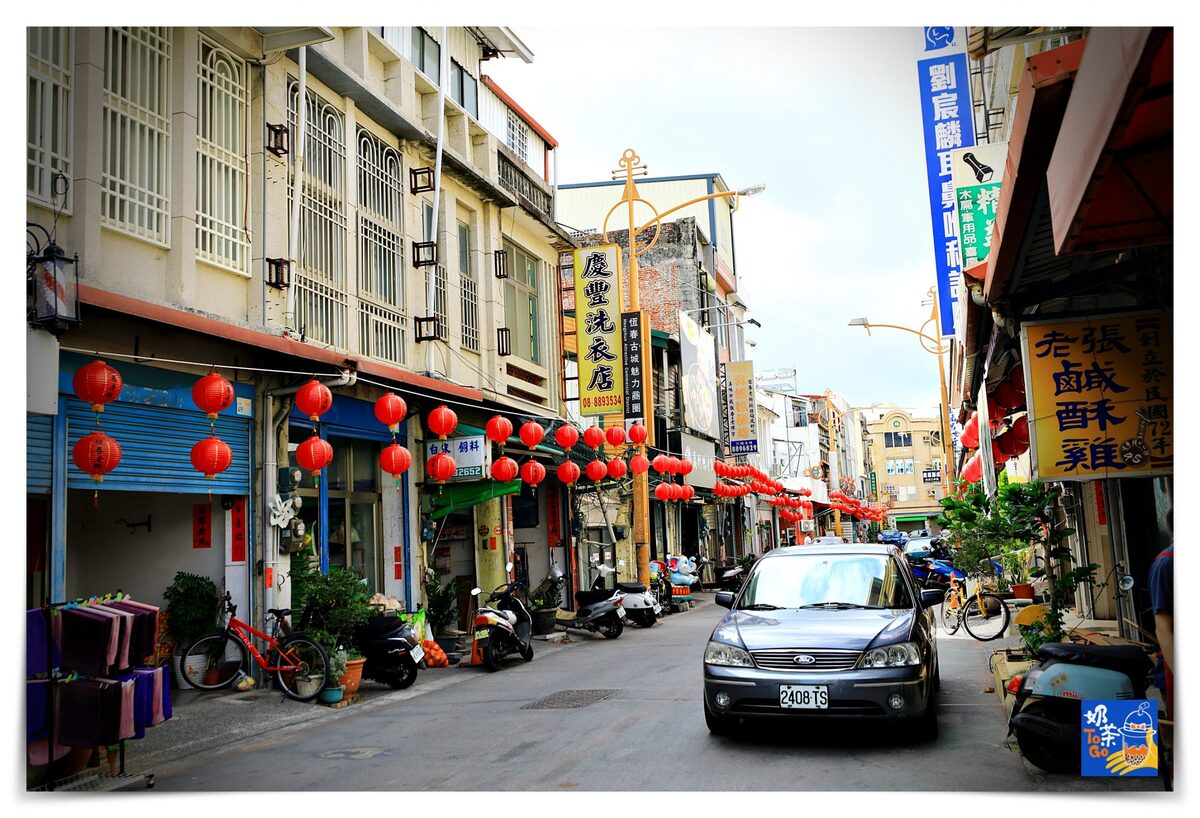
column 37, row 632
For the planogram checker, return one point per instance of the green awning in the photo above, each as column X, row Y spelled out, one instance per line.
column 457, row 496
column 911, row 517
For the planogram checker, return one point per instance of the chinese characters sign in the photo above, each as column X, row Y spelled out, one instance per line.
column 237, row 545
column 471, row 455
column 1100, row 396
column 946, row 117
column 202, row 525
column 1118, row 737
column 697, row 353
column 741, row 407
column 632, row 345
column 976, row 173
column 598, row 326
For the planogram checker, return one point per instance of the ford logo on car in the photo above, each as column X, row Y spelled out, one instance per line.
column 804, row 659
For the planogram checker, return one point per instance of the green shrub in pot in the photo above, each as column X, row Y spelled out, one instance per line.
column 192, row 605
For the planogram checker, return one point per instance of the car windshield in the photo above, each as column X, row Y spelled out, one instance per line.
column 918, row 545
column 826, row 580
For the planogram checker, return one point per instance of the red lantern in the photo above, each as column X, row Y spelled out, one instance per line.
column 685, row 467
column 498, row 430
column 639, row 464
column 566, row 436
column 395, row 460
column 1020, row 428
column 596, row 470
column 533, row 472
column 504, row 469
column 1007, row 396
column 970, row 432
column 97, row 383
column 688, row 492
column 1016, row 379
column 213, row 394
column 314, row 399
column 593, row 436
column 532, row 434
column 999, row 456
column 441, row 467
column 676, row 491
column 615, row 435
column 96, row 454
column 973, row 469
column 617, row 468
column 719, row 468
column 568, row 472
column 211, row 456
column 660, row 463
column 314, row 454
column 390, row 410
column 442, row 421
column 663, row 491
column 637, row 434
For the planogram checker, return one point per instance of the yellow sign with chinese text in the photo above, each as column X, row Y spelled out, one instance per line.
column 1100, row 396
column 598, row 330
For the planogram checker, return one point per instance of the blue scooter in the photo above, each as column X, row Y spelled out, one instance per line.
column 1046, row 714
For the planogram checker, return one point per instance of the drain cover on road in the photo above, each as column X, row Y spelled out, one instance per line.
column 570, row 699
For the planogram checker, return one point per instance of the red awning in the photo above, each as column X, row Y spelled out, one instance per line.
column 196, row 322
column 1111, row 178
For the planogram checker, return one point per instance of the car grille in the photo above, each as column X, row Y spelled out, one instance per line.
column 825, row 660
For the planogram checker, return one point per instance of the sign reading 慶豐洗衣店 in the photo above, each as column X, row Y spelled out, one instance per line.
column 977, row 172
column 598, row 330
column 946, row 119
column 472, row 455
column 1100, row 396
column 741, row 407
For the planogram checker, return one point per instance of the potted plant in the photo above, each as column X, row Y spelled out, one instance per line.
column 332, row 693
column 192, row 611
column 441, row 608
column 543, row 605
column 1016, row 573
column 352, row 676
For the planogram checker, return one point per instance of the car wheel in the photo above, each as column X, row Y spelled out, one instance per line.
column 927, row 726
column 717, row 725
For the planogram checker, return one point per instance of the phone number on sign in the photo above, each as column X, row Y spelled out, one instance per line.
column 602, row 400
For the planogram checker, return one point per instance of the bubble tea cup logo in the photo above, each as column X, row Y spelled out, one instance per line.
column 1118, row 738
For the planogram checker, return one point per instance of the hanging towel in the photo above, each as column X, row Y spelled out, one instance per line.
column 37, row 694
column 126, row 621
column 37, row 634
column 82, row 709
column 127, row 728
column 85, row 638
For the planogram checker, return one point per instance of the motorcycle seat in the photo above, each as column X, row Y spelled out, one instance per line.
column 1128, row 659
column 382, row 626
column 592, row 597
column 632, row 587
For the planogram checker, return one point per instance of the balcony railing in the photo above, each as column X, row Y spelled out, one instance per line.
column 513, row 178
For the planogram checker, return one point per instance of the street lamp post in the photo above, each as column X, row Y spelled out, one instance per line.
column 630, row 166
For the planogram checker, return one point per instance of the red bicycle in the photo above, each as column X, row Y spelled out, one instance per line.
column 215, row 660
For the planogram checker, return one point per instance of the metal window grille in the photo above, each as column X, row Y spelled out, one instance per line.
column 222, row 216
column 518, row 136
column 383, row 333
column 51, row 59
column 438, row 310
column 468, row 291
column 136, row 178
column 382, row 320
column 321, row 270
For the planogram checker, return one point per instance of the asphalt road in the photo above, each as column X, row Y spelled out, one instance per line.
column 648, row 734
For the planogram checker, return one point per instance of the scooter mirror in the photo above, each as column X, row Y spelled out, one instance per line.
column 508, row 566
column 1125, row 583
column 476, row 591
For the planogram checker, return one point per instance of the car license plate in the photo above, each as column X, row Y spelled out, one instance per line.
column 621, row 613
column 482, row 633
column 805, row 697
column 417, row 653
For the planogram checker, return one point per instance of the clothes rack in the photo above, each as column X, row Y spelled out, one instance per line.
column 87, row 780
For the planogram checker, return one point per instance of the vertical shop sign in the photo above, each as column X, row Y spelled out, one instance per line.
column 698, row 371
column 634, row 375
column 554, row 519
column 977, row 173
column 1100, row 396
column 202, row 525
column 944, row 85
column 742, row 407
column 398, row 561
column 237, row 527
column 598, row 333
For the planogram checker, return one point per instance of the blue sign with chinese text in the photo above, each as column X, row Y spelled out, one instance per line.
column 1119, row 737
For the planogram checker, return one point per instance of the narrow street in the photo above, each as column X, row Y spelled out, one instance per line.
column 649, row 734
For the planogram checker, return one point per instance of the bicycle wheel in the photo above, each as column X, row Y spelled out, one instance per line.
column 950, row 617
column 303, row 667
column 985, row 617
column 213, row 661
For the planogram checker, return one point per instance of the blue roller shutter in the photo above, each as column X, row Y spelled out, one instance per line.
column 156, row 446
column 39, row 453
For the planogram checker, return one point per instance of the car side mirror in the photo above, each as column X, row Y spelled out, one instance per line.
column 724, row 599
column 931, row 597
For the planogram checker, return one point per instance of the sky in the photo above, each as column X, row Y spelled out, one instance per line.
column 827, row 118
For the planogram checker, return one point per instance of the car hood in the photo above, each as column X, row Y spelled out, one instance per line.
column 848, row 629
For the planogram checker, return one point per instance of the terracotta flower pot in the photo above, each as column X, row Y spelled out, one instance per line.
column 1022, row 590
column 352, row 677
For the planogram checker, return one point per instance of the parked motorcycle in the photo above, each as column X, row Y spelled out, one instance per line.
column 601, row 610
column 640, row 606
column 387, row 642
column 1046, row 712
column 503, row 629
column 728, row 577
column 660, row 586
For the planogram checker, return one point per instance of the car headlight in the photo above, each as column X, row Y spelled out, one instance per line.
column 718, row 653
column 900, row 655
